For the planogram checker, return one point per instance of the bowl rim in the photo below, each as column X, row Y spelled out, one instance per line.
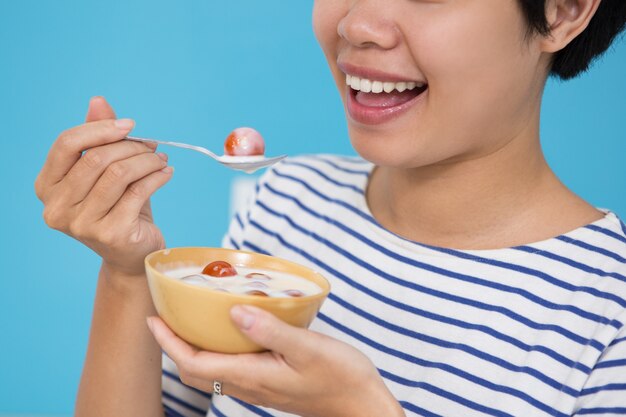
column 244, row 297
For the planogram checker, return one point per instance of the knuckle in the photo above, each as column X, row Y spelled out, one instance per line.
column 116, row 171
column 136, row 190
column 266, row 331
column 108, row 238
column 74, row 229
column 185, row 371
column 77, row 228
column 105, row 128
column 141, row 147
column 184, row 377
column 38, row 187
column 52, row 217
column 65, row 141
column 93, row 159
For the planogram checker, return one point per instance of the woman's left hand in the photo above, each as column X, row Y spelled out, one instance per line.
column 304, row 372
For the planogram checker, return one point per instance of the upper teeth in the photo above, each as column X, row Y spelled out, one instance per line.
column 369, row 86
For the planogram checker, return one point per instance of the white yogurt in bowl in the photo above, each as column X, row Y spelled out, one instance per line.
column 248, row 281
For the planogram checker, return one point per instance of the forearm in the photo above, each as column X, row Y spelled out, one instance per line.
column 122, row 371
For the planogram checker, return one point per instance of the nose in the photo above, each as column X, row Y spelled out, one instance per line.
column 366, row 25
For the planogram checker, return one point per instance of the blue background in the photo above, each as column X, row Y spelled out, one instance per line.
column 193, row 71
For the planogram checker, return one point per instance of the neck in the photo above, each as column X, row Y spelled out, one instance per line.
column 505, row 198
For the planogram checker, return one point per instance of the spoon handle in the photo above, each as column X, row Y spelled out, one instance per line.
column 177, row 144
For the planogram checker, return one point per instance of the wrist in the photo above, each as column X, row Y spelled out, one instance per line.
column 121, row 281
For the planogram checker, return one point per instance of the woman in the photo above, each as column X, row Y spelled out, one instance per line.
column 467, row 279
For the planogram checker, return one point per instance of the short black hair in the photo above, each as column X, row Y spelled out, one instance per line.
column 575, row 58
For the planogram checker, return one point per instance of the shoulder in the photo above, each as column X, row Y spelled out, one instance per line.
column 600, row 249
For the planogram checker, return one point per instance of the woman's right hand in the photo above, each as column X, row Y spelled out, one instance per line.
column 96, row 188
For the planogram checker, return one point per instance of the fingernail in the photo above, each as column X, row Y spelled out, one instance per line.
column 168, row 170
column 125, row 124
column 162, row 155
column 244, row 318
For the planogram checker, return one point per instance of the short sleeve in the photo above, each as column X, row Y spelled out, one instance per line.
column 604, row 393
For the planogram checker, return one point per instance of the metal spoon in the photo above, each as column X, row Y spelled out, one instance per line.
column 248, row 164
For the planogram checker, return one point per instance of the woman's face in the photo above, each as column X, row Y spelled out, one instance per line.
column 476, row 80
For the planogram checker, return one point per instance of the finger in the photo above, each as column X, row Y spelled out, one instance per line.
column 263, row 328
column 68, row 148
column 175, row 347
column 87, row 170
column 117, row 179
column 137, row 194
column 199, row 365
column 99, row 109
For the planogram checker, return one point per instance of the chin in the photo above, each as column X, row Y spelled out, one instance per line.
column 388, row 150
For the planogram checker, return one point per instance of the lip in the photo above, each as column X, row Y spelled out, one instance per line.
column 377, row 115
column 367, row 115
column 373, row 74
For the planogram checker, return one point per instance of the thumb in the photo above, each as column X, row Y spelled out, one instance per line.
column 270, row 332
column 99, row 109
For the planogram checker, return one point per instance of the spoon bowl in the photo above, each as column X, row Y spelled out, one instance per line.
column 247, row 164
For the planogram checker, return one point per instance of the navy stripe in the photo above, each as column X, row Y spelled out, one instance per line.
column 547, row 278
column 233, row 243
column 451, row 345
column 408, row 284
column 184, row 403
column 339, row 167
column 177, row 379
column 217, row 412
column 326, row 177
column 442, row 393
column 602, row 410
column 500, row 336
column 592, row 248
column 608, row 387
column 418, row 410
column 577, row 265
column 611, row 364
column 554, row 281
column 170, row 412
column 456, row 371
column 621, row 223
column 326, row 198
column 239, row 221
column 504, row 311
column 255, row 248
column 451, row 274
column 471, row 351
column 608, row 232
column 616, row 341
column 252, row 408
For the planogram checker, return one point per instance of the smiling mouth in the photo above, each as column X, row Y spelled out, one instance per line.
column 383, row 94
column 373, row 102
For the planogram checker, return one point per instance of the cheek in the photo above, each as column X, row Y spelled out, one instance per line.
column 325, row 20
column 326, row 17
column 480, row 71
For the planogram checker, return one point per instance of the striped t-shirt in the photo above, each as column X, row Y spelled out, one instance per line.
column 533, row 330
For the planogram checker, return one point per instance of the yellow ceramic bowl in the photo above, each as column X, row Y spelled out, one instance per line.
column 201, row 316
